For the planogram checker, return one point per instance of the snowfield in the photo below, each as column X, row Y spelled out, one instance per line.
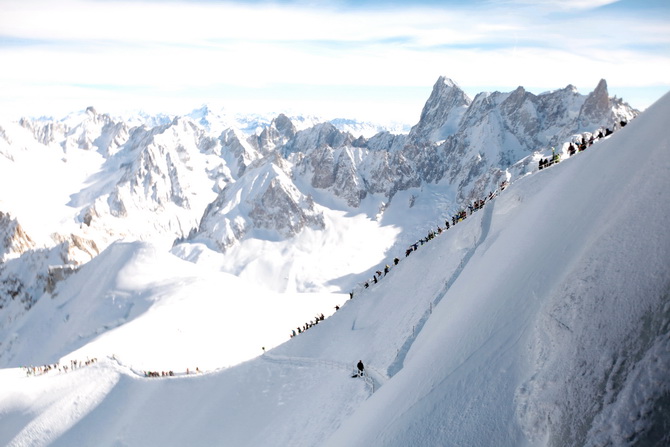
column 542, row 319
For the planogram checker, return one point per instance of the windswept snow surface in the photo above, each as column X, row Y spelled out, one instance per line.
column 541, row 320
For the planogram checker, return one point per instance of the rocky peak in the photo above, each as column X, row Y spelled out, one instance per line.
column 442, row 112
column 280, row 130
column 284, row 126
column 596, row 107
column 265, row 198
column 520, row 115
column 322, row 134
column 45, row 132
column 238, row 153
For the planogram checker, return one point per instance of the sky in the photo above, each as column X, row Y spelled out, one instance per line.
column 369, row 59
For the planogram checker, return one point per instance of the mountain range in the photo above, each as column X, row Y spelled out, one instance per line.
column 222, row 182
column 153, row 279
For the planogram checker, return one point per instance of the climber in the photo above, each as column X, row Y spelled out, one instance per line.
column 360, row 368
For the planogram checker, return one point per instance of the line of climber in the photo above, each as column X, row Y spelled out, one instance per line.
column 432, row 234
column 309, row 324
column 44, row 369
column 169, row 373
column 580, row 143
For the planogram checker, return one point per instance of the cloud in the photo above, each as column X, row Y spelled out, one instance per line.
column 562, row 5
column 164, row 50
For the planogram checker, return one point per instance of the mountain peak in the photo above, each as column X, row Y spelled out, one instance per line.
column 596, row 106
column 442, row 112
column 444, row 80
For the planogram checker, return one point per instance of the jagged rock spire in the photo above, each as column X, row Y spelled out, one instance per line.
column 596, row 106
column 441, row 113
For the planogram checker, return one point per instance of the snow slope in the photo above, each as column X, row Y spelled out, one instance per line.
column 155, row 311
column 541, row 320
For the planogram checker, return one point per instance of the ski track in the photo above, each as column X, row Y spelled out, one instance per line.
column 374, row 381
column 399, row 361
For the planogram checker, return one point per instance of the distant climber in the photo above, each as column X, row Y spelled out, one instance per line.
column 361, row 369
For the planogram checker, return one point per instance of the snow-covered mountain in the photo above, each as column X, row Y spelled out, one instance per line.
column 542, row 319
column 248, row 187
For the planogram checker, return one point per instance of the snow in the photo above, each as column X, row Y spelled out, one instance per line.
column 42, row 205
column 154, row 311
column 540, row 320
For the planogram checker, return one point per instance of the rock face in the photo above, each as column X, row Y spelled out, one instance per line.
column 13, row 239
column 442, row 113
column 279, row 132
column 266, row 199
column 597, row 106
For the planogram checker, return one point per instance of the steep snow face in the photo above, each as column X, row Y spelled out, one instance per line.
column 605, row 325
column 561, row 308
column 557, row 314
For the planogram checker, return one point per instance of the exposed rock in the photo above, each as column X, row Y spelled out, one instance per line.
column 13, row 239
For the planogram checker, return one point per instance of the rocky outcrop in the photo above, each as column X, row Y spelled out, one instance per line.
column 321, row 135
column 276, row 134
column 265, row 198
column 13, row 239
